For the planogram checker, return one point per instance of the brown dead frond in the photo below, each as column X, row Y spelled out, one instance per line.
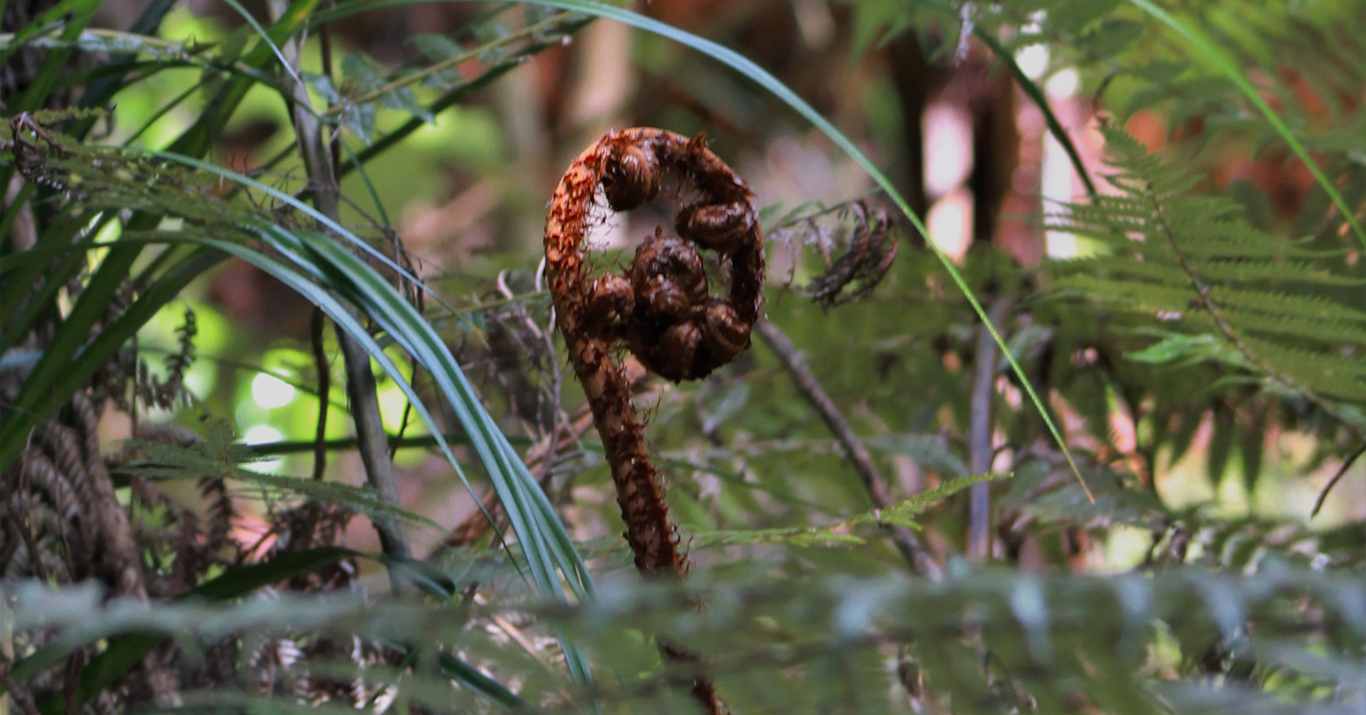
column 868, row 249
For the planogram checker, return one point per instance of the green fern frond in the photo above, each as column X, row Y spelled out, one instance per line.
column 1194, row 264
column 1323, row 372
column 1160, row 270
column 219, row 456
column 1288, row 305
column 1240, row 544
column 1325, row 332
column 1171, row 301
column 781, row 644
column 938, row 493
column 1180, row 348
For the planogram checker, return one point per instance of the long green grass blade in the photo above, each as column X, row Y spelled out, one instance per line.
column 100, row 91
column 40, row 391
column 544, row 539
column 534, row 519
column 310, row 211
column 195, row 140
column 266, row 39
column 542, row 535
column 383, row 304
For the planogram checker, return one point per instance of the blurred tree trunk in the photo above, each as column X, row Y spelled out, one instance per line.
column 915, row 81
column 995, row 148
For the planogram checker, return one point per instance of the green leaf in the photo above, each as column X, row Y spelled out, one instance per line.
column 322, row 84
column 1179, row 347
column 404, row 98
column 359, row 74
column 437, row 48
column 360, row 120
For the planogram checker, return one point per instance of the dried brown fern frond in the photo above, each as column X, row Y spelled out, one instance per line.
column 866, row 254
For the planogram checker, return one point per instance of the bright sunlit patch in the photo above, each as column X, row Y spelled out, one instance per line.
column 261, row 434
column 950, row 223
column 1056, row 182
column 948, row 147
column 198, row 382
column 271, row 392
column 1063, row 84
column 1033, row 60
column 108, row 232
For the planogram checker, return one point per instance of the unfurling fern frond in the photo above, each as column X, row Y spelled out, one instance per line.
column 1195, row 265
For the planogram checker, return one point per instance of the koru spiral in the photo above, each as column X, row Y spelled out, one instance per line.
column 661, row 307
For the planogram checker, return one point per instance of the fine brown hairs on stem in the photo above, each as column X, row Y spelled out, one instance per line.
column 660, row 307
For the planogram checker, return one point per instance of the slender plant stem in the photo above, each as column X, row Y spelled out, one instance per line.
column 22, row 699
column 979, row 435
column 317, row 326
column 1337, row 477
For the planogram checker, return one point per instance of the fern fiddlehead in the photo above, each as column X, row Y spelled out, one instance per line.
column 661, row 307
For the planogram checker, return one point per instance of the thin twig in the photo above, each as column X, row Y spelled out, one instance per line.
column 75, row 666
column 556, row 381
column 1323, row 495
column 915, row 553
column 316, row 326
column 325, row 42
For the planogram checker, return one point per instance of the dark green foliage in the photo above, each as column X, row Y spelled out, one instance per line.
column 1197, row 318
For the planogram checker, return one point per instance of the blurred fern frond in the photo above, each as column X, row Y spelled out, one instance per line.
column 987, row 641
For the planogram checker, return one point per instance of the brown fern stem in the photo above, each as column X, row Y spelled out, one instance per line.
column 660, row 308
